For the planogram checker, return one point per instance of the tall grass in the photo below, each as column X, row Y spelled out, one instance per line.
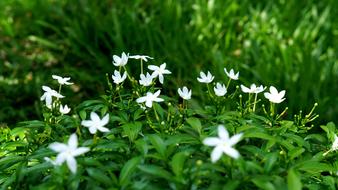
column 290, row 44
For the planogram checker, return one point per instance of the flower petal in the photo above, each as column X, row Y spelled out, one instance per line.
column 80, row 150
column 231, row 152
column 71, row 163
column 235, row 139
column 72, row 142
column 211, row 141
column 223, row 133
column 58, row 147
column 216, row 154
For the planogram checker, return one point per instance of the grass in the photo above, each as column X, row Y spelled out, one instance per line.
column 288, row 44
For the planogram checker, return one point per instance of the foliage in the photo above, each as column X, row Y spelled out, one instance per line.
column 161, row 146
column 289, row 44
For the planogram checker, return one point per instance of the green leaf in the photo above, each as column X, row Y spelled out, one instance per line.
column 294, row 181
column 99, row 175
column 83, row 114
column 263, row 182
column 270, row 160
column 128, row 170
column 156, row 171
column 177, row 163
column 158, row 144
column 296, row 152
column 132, row 130
column 195, row 124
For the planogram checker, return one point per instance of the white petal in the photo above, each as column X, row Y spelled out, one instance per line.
column 72, row 142
column 80, row 150
column 235, row 139
column 216, row 154
column 105, row 120
column 211, row 141
column 60, row 158
column 153, row 67
column 94, row 117
column 58, row 147
column 149, row 103
column 49, row 101
column 158, row 100
column 231, row 152
column 223, row 133
column 102, row 129
column 273, row 90
column 92, row 129
column 141, row 99
column 71, row 163
column 87, row 123
column 160, row 77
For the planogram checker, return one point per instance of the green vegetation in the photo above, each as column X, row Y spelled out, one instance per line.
column 291, row 45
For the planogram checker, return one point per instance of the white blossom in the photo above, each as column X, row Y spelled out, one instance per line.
column 95, row 123
column 143, row 57
column 48, row 96
column 67, row 152
column 150, row 98
column 223, row 144
column 185, row 93
column 220, row 89
column 253, row 89
column 62, row 80
column 159, row 71
column 274, row 96
column 231, row 74
column 64, row 109
column 205, row 78
column 146, row 80
column 117, row 78
column 120, row 61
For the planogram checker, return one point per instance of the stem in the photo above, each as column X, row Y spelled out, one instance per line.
column 156, row 115
column 254, row 107
column 228, row 83
column 141, row 66
column 211, row 96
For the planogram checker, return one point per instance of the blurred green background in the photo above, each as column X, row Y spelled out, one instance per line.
column 289, row 44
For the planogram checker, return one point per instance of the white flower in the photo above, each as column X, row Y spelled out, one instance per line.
column 120, row 61
column 205, row 78
column 143, row 57
column 95, row 123
column 150, row 98
column 64, row 109
column 335, row 143
column 223, row 144
column 185, row 93
column 274, row 96
column 118, row 78
column 68, row 152
column 62, row 80
column 220, row 89
column 253, row 89
column 47, row 96
column 232, row 74
column 146, row 80
column 159, row 71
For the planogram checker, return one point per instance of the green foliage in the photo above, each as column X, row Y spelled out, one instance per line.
column 288, row 44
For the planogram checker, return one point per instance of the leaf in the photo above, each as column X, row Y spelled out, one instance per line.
column 132, row 130
column 128, row 170
column 270, row 161
column 294, row 181
column 156, row 171
column 263, row 183
column 83, row 114
column 296, row 152
column 195, row 124
column 177, row 163
column 159, row 145
column 99, row 175
column 313, row 166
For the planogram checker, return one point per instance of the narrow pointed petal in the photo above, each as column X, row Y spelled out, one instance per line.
column 211, row 141
column 87, row 123
column 72, row 142
column 80, row 150
column 231, row 152
column 58, row 147
column 105, row 120
column 72, row 165
column 235, row 139
column 216, row 154
column 92, row 129
column 223, row 133
column 94, row 117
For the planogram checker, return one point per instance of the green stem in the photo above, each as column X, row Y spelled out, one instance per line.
column 228, row 84
column 141, row 66
column 254, row 107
